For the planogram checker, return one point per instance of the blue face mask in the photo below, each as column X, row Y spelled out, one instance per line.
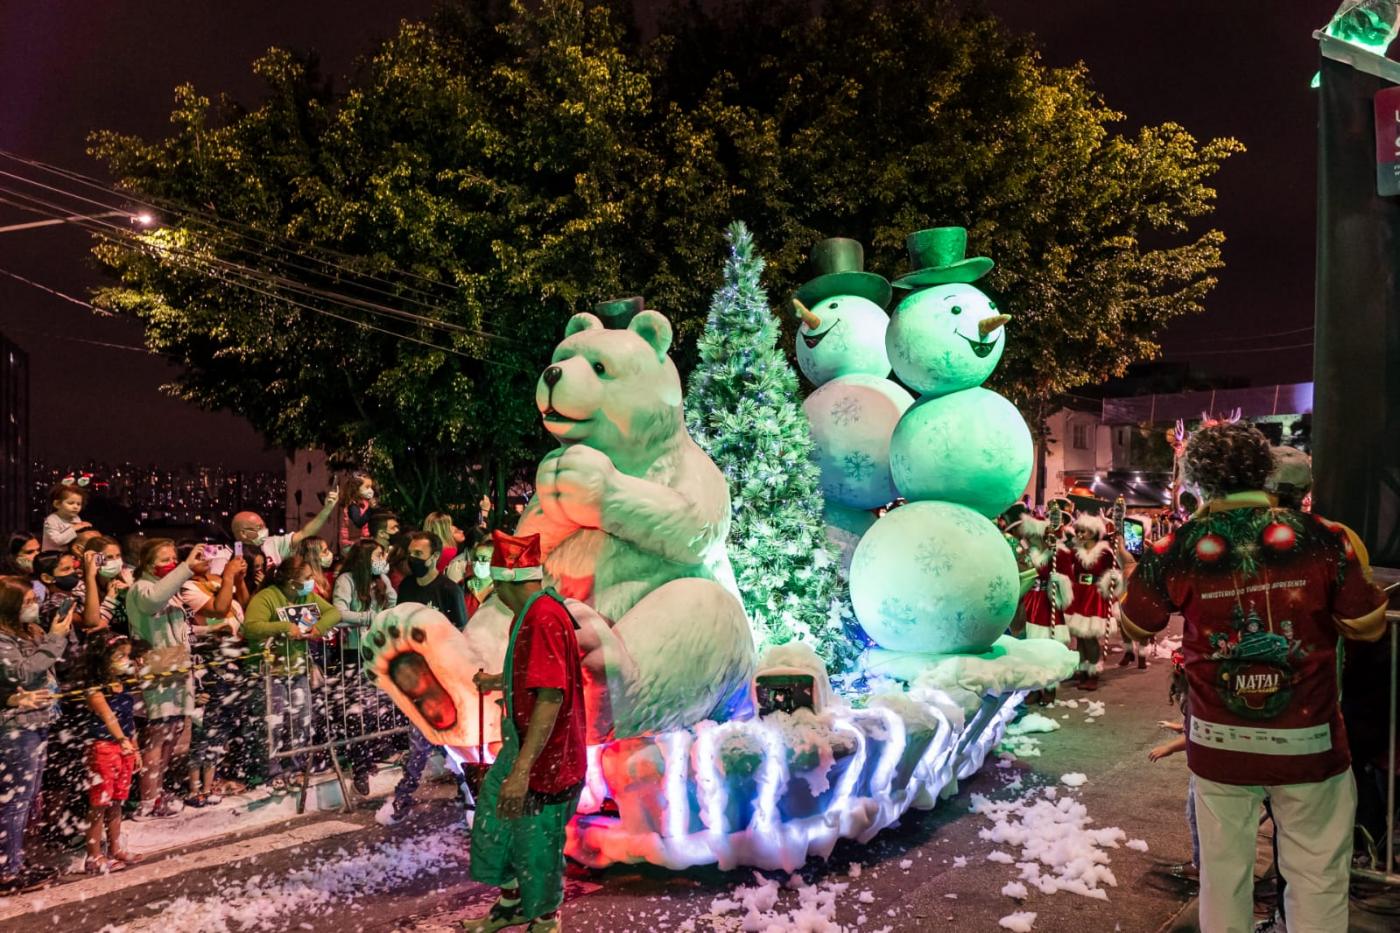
column 305, row 587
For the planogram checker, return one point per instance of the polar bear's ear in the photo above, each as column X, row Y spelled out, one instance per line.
column 582, row 321
column 653, row 327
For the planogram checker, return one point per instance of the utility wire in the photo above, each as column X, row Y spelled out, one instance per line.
column 212, row 219
column 97, row 225
column 245, row 275
column 1292, row 346
column 359, row 304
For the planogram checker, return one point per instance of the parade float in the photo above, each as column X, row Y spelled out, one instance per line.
column 710, row 743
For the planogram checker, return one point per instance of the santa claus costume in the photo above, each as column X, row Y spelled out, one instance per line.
column 1040, row 607
column 1096, row 585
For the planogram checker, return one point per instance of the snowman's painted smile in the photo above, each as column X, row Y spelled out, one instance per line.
column 982, row 348
column 812, row 339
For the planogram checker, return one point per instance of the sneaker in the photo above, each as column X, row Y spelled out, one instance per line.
column 498, row 918
column 361, row 784
column 128, row 858
column 30, row 879
column 213, row 800
column 198, row 801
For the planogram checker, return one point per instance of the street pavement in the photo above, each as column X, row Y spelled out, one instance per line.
column 320, row 873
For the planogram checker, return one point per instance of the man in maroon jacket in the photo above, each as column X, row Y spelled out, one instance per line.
column 1265, row 593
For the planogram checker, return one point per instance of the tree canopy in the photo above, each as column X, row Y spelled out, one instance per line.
column 496, row 169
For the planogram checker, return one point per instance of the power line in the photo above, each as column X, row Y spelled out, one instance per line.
column 256, row 235
column 246, row 273
column 75, row 300
column 1292, row 346
column 249, row 274
column 359, row 304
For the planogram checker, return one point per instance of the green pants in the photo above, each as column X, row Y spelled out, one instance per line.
column 527, row 852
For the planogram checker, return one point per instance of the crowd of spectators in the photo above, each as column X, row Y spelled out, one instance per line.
column 142, row 677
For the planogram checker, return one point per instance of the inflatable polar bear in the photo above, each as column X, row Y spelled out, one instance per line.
column 632, row 517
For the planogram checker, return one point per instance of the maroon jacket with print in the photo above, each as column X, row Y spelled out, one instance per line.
column 1265, row 593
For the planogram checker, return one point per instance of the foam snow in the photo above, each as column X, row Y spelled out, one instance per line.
column 1019, row 922
column 1137, row 845
column 1074, row 779
column 268, row 903
column 1059, row 849
column 1033, row 722
column 815, row 911
column 1015, row 889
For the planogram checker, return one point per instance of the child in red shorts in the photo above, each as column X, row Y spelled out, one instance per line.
column 111, row 753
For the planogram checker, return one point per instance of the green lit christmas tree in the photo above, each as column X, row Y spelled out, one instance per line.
column 743, row 408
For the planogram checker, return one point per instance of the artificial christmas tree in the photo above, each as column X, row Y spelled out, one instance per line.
column 743, row 409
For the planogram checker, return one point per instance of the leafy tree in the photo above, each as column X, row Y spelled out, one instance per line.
column 498, row 168
column 743, row 408
column 872, row 119
column 498, row 171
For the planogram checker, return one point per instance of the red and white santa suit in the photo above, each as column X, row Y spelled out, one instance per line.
column 1040, row 606
column 1095, row 578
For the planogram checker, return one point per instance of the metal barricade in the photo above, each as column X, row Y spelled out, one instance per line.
column 316, row 700
column 1389, row 876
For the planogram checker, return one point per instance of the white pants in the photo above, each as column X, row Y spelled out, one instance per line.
column 1314, row 825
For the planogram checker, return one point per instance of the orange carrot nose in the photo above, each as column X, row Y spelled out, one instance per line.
column 989, row 324
column 811, row 320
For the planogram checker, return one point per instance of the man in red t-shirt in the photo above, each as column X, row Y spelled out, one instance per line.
column 1265, row 593
column 533, row 787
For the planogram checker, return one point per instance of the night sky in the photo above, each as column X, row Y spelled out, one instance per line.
column 70, row 66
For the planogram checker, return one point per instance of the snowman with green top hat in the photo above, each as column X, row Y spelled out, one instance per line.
column 935, row 576
column 841, row 349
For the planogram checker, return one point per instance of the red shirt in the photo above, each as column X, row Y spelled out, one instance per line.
column 547, row 657
column 1088, row 571
column 1265, row 594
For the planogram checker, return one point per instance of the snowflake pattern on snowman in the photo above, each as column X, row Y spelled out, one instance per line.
column 846, row 412
column 934, row 558
column 1000, row 593
column 858, row 465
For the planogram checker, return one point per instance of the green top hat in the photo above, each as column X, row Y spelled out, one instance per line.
column 840, row 266
column 938, row 257
column 617, row 313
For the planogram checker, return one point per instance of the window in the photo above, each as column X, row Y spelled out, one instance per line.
column 1081, row 437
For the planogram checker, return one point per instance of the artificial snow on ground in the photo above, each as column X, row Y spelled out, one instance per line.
column 1019, row 922
column 1060, row 851
column 271, row 903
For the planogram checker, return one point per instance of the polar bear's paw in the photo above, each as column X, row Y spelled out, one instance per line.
column 422, row 662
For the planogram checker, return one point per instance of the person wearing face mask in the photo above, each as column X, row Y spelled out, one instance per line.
column 317, row 554
column 423, row 585
column 362, row 590
column 28, row 710
column 357, row 499
column 18, row 557
column 157, row 617
column 292, row 584
column 215, row 606
column 110, row 728
column 58, row 571
column 251, row 531
column 479, row 584
column 105, row 582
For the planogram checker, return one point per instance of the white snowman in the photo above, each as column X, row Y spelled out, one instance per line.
column 936, row 576
column 841, row 349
